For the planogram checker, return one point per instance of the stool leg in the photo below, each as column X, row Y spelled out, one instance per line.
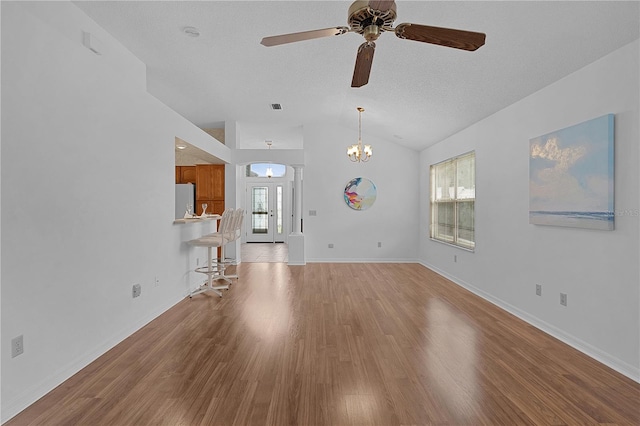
column 210, row 267
column 224, row 260
column 210, row 275
column 210, row 272
column 222, row 266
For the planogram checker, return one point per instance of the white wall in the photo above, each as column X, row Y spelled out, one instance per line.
column 597, row 269
column 87, row 198
column 393, row 218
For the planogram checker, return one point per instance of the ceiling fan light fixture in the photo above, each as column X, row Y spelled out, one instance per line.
column 371, row 33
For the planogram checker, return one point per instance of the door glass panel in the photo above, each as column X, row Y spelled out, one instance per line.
column 279, row 209
column 260, row 210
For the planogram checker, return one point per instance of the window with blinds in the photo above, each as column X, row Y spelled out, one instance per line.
column 453, row 195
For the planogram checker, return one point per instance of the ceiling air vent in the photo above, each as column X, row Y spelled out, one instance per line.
column 276, row 106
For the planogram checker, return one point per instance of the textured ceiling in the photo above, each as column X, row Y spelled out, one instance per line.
column 418, row 93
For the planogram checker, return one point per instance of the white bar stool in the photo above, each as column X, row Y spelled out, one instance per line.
column 215, row 271
column 230, row 233
column 234, row 232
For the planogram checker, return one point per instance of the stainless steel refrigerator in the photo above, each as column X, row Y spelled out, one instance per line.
column 185, row 196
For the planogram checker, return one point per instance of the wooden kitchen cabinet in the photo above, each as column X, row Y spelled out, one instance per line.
column 186, row 174
column 210, row 187
column 209, row 182
column 213, row 206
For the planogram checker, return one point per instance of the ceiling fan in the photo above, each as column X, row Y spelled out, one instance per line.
column 373, row 17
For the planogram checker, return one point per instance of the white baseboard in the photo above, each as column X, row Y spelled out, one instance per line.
column 32, row 394
column 599, row 355
column 360, row 260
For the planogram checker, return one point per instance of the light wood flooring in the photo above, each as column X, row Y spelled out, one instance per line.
column 339, row 344
column 264, row 252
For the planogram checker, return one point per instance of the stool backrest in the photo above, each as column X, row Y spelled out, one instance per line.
column 226, row 221
column 237, row 228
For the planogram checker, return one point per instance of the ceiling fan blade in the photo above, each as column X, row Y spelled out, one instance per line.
column 381, row 5
column 363, row 64
column 304, row 35
column 459, row 39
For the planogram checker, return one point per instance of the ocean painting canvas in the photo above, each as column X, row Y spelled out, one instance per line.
column 571, row 176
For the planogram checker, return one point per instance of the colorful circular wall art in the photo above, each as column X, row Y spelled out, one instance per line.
column 360, row 193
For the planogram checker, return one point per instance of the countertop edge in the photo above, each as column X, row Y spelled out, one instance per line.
column 197, row 219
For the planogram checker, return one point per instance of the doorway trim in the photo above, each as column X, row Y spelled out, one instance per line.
column 268, row 208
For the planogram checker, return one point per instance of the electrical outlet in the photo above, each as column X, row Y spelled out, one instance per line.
column 538, row 289
column 197, row 261
column 17, row 346
column 379, row 244
column 137, row 290
column 330, row 245
column 313, row 213
column 157, row 281
column 563, row 299
column 455, row 258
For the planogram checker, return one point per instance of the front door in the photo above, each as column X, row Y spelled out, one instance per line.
column 265, row 221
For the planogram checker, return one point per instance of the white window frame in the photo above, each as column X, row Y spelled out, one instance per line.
column 460, row 237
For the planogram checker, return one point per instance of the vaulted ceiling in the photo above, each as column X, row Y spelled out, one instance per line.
column 418, row 93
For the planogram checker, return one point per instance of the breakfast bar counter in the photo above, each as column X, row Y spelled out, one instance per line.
column 198, row 219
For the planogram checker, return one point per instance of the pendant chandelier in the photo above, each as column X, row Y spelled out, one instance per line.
column 269, row 169
column 358, row 152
